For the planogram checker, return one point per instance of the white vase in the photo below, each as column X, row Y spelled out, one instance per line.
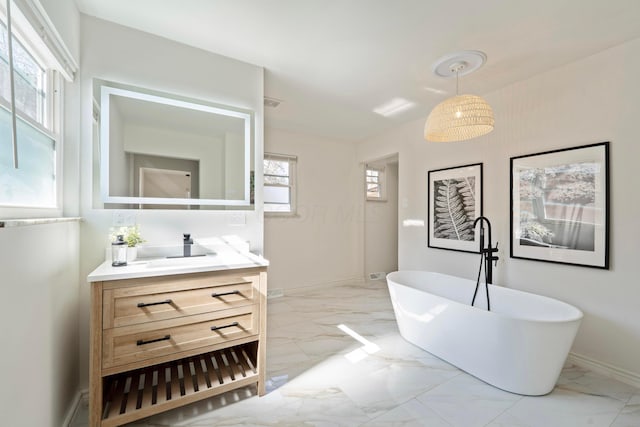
column 132, row 253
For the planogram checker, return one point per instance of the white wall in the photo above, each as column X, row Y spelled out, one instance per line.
column 587, row 101
column 323, row 242
column 381, row 226
column 119, row 54
column 39, row 318
column 119, row 161
column 234, row 155
column 39, row 276
column 162, row 142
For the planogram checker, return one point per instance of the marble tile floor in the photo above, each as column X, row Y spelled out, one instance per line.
column 335, row 358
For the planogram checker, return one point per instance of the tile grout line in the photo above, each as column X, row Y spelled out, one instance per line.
column 505, row 410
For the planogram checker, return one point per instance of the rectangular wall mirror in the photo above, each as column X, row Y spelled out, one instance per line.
column 160, row 151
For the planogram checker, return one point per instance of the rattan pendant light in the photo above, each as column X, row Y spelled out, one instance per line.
column 461, row 117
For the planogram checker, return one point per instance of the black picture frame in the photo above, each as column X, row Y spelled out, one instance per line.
column 559, row 202
column 454, row 201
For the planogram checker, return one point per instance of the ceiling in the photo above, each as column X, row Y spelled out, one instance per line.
column 332, row 62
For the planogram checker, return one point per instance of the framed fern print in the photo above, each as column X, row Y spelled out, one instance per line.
column 454, row 202
column 560, row 206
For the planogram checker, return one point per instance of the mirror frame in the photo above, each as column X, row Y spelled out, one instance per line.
column 105, row 99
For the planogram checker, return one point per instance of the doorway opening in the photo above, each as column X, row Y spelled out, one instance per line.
column 164, row 183
column 381, row 217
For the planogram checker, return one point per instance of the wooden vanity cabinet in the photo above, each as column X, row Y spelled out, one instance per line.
column 161, row 342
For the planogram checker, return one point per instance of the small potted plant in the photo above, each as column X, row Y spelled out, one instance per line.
column 131, row 235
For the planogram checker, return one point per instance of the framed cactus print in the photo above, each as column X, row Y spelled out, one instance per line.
column 560, row 206
column 454, row 202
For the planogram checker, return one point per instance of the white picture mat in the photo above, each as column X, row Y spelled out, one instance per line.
column 592, row 154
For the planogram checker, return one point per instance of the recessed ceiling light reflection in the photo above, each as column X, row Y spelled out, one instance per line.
column 395, row 106
column 436, row 91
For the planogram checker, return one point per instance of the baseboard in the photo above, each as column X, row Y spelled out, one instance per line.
column 80, row 396
column 325, row 285
column 611, row 371
column 378, row 275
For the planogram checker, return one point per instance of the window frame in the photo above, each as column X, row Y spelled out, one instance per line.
column 293, row 185
column 382, row 183
column 22, row 25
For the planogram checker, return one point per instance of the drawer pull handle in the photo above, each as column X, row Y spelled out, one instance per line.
column 217, row 295
column 215, row 328
column 147, row 304
column 143, row 342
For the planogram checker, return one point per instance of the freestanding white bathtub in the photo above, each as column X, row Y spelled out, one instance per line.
column 519, row 346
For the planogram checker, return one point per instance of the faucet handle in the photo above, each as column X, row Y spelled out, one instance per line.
column 495, row 257
column 186, row 236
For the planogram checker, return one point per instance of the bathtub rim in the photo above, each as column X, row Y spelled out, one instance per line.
column 577, row 317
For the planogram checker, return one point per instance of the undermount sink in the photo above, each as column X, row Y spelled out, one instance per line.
column 192, row 261
column 212, row 259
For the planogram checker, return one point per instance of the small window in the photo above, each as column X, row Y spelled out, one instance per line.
column 279, row 183
column 375, row 183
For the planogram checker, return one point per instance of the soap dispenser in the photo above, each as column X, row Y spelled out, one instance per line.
column 119, row 252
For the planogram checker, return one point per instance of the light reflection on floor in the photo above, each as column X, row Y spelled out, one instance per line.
column 359, row 353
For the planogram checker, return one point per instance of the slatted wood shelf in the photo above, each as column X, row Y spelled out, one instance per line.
column 137, row 394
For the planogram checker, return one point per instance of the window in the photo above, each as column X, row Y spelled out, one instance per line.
column 30, row 104
column 375, row 184
column 279, row 183
column 29, row 79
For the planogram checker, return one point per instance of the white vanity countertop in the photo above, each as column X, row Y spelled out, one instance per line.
column 225, row 260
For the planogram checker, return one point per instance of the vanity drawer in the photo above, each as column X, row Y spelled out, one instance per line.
column 131, row 344
column 168, row 298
